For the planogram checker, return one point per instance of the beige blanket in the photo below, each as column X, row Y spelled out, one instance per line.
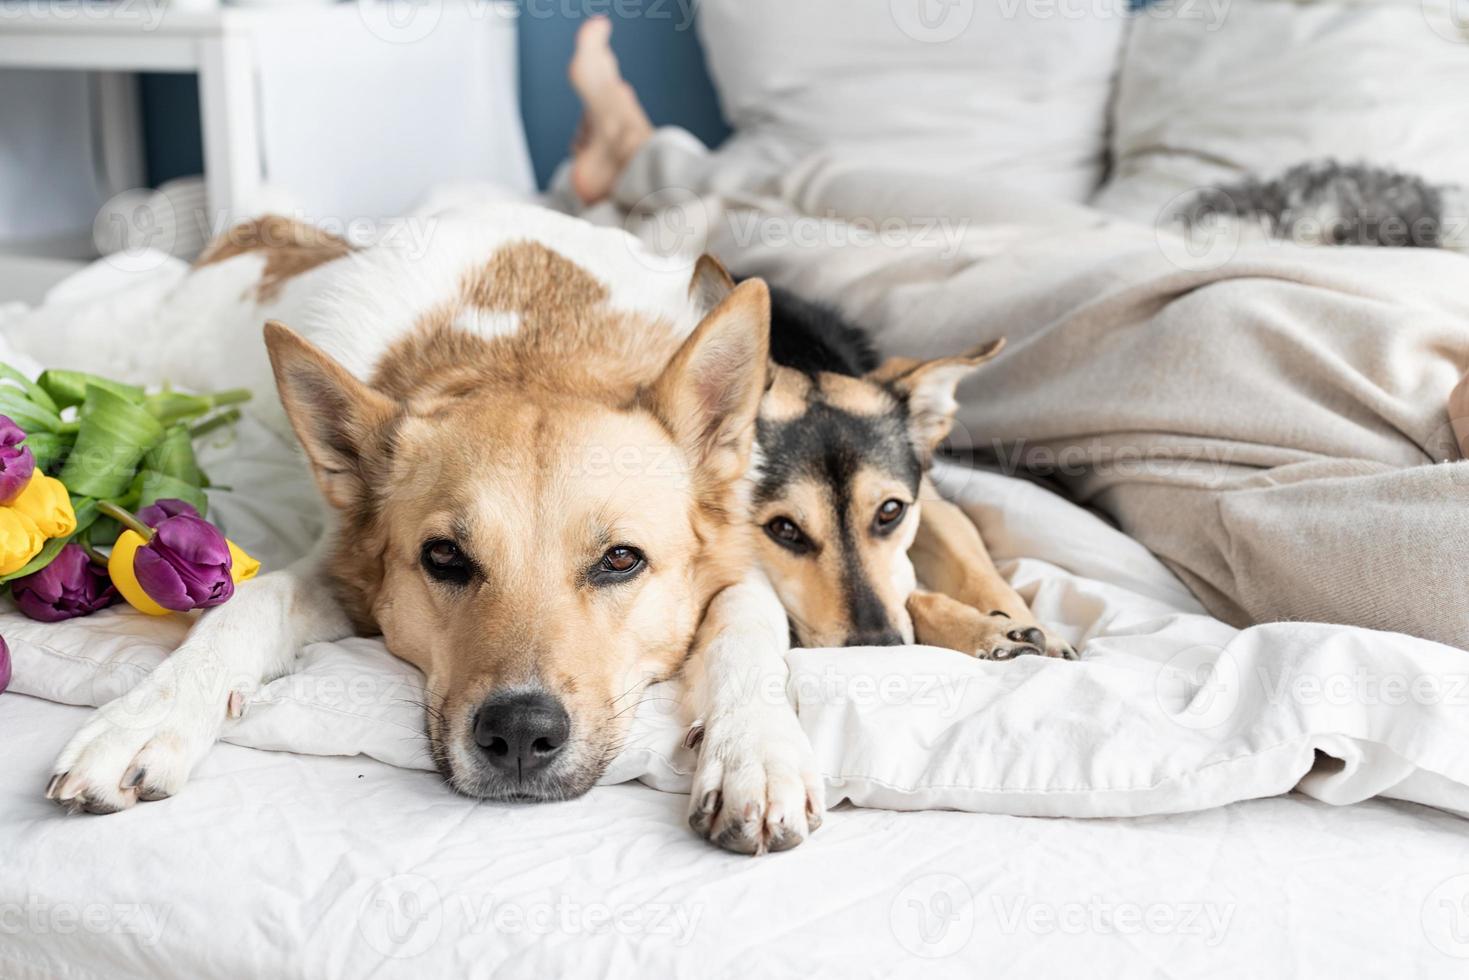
column 1268, row 419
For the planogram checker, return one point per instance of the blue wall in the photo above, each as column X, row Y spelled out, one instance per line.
column 659, row 53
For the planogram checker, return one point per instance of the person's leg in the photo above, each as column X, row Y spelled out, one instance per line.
column 613, row 125
column 623, row 171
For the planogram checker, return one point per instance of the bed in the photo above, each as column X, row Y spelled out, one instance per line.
column 1195, row 797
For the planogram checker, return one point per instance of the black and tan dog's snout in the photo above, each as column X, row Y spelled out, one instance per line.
column 869, row 621
column 878, row 638
column 521, row 734
column 873, row 631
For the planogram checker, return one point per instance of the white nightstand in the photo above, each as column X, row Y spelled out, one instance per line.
column 342, row 98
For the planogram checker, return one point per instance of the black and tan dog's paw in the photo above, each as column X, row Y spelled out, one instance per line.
column 941, row 621
column 1019, row 641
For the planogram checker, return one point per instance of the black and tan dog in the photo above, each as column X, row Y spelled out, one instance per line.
column 844, row 443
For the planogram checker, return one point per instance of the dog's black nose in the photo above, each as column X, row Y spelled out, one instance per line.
column 521, row 733
column 875, row 638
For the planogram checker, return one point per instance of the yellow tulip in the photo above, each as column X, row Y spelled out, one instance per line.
column 120, row 570
column 46, row 502
column 242, row 567
column 20, row 540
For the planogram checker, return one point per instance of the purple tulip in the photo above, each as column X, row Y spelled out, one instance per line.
column 16, row 462
column 186, row 565
column 72, row 585
column 4, row 665
column 161, row 510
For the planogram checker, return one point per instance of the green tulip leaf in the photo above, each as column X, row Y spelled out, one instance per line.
column 152, row 486
column 112, row 439
column 50, row 449
column 68, row 388
column 170, row 406
column 26, row 413
column 103, row 532
column 33, row 391
column 174, row 456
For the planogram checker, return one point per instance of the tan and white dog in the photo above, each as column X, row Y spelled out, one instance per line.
column 533, row 442
column 536, row 444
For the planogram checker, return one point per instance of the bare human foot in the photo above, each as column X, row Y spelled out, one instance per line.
column 1459, row 415
column 613, row 124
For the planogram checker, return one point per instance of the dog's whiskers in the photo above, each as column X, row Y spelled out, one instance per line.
column 642, row 701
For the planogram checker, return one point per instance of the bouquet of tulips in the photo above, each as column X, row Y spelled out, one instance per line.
column 101, row 497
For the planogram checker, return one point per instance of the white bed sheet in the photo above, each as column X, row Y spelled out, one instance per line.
column 281, row 865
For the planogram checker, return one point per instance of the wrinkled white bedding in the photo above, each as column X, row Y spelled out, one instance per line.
column 1168, row 711
column 285, row 866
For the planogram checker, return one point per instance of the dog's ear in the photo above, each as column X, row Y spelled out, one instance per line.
column 341, row 422
column 927, row 388
column 709, row 285
column 710, row 392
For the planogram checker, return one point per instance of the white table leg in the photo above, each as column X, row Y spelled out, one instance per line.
column 120, row 130
column 232, row 160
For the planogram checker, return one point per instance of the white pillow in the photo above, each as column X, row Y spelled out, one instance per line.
column 1011, row 91
column 1272, row 83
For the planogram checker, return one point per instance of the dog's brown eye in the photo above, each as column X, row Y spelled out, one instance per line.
column 785, row 532
column 620, row 560
column 444, row 553
column 618, row 565
column 443, row 560
column 890, row 513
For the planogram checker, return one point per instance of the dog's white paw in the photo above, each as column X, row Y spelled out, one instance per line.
column 141, row 746
column 757, row 787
